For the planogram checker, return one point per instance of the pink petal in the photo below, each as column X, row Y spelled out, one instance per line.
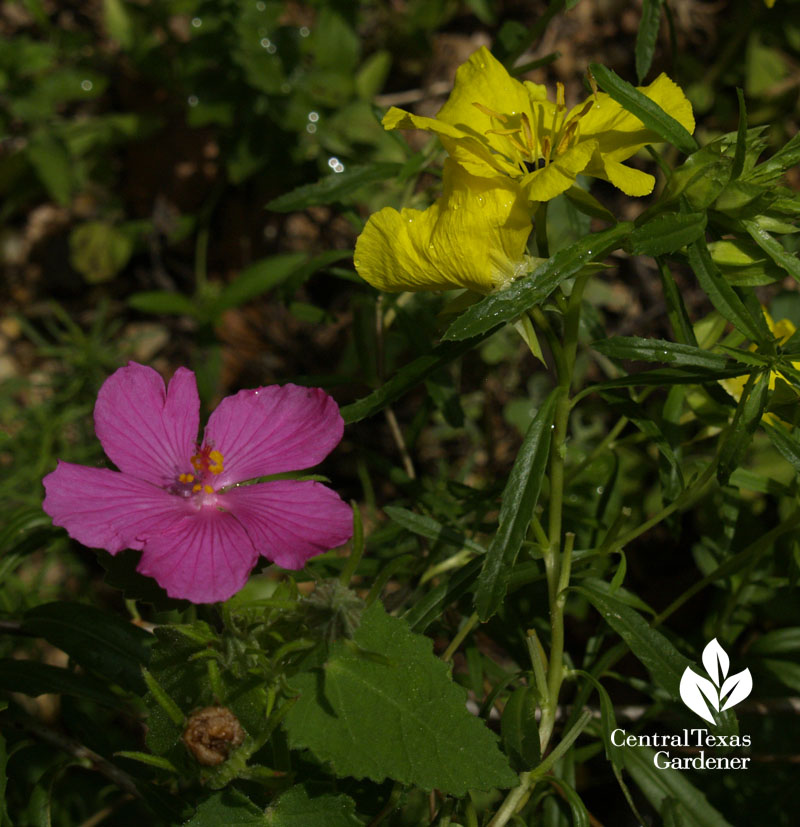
column 289, row 520
column 273, row 429
column 106, row 509
column 146, row 431
column 207, row 558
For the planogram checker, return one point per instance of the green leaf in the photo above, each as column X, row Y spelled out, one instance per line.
column 519, row 730
column 741, row 139
column 526, row 292
column 745, row 421
column 336, row 186
column 118, row 22
column 723, row 296
column 162, row 302
column 260, row 276
column 785, row 158
column 33, row 678
column 95, row 639
column 656, row 653
column 298, row 808
column 786, row 442
column 669, row 376
column 676, row 309
column 427, row 609
column 229, row 807
column 431, row 529
column 646, row 110
column 405, row 719
column 408, row 376
column 776, row 642
column 774, row 249
column 647, row 37
column 661, row 350
column 372, row 74
column 586, row 203
column 98, row 250
column 50, row 159
column 661, row 784
column 667, row 233
column 519, row 499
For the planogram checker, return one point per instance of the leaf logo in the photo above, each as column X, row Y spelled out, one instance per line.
column 702, row 695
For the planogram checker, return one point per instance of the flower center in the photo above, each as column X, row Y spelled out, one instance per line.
column 207, row 463
column 527, row 143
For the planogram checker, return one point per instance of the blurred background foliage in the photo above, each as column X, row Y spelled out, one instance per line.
column 158, row 203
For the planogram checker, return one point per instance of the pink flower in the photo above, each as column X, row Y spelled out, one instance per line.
column 179, row 501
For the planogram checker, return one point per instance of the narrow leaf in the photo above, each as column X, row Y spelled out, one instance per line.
column 519, row 500
column 774, row 249
column 431, row 529
column 658, row 655
column 410, row 375
column 667, row 233
column 722, row 295
column 647, row 36
column 660, row 350
column 526, row 292
column 787, row 444
column 676, row 309
column 745, row 421
column 741, row 138
column 646, row 110
column 336, row 186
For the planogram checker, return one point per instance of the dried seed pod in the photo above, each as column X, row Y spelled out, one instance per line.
column 211, row 733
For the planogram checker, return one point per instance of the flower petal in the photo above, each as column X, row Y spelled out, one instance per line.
column 290, row 521
column 559, row 175
column 474, row 236
column 206, row 558
column 631, row 181
column 271, row 430
column 147, row 431
column 106, row 509
column 619, row 133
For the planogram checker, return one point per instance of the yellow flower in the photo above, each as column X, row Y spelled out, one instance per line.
column 782, row 330
column 474, row 236
column 493, row 125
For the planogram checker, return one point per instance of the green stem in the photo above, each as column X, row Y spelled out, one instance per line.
column 459, row 638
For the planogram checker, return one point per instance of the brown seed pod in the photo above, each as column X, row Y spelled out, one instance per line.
column 211, row 733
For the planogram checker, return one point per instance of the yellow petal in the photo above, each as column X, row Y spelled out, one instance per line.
column 559, row 175
column 631, row 181
column 473, row 152
column 483, row 79
column 474, row 236
column 620, row 133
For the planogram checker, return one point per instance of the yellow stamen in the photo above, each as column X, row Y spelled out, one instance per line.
column 546, row 149
column 560, row 99
column 215, row 466
column 512, row 139
column 208, row 489
column 490, row 112
column 527, row 132
column 592, row 83
column 186, row 477
column 196, row 488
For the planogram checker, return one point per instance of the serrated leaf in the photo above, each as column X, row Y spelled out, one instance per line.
column 229, row 807
column 95, row 639
column 333, row 187
column 646, row 110
column 518, row 502
column 647, row 36
column 526, row 292
column 667, row 233
column 298, row 808
column 405, row 720
column 661, row 350
column 408, row 376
